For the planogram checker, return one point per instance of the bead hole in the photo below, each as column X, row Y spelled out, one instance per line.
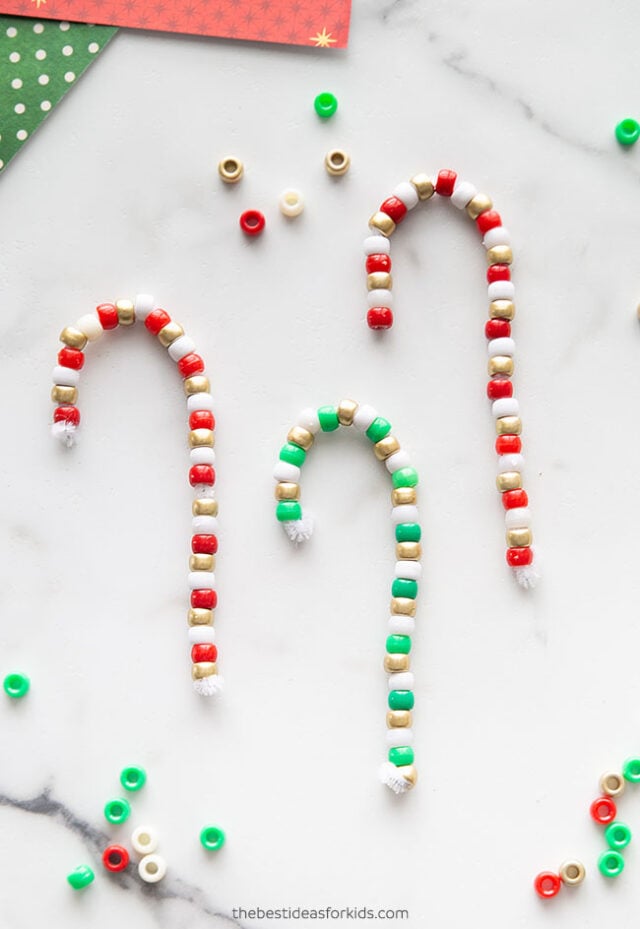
column 144, row 839
column 337, row 159
column 572, row 871
column 548, row 884
column 151, row 867
column 115, row 858
column 230, row 166
column 291, row 199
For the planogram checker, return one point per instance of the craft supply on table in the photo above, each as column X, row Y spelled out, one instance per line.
column 115, row 858
column 152, row 868
column 117, row 811
column 81, row 877
column 291, row 202
column 611, row 864
column 230, row 169
column 16, row 685
column 252, row 222
column 325, row 105
column 144, row 840
column 212, row 838
column 628, row 131
column 337, row 162
column 133, row 778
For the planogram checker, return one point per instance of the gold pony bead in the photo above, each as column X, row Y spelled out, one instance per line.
column 500, row 364
column 612, row 784
column 73, row 337
column 287, row 490
column 386, row 447
column 170, row 333
column 502, row 309
column 424, row 186
column 408, row 551
column 383, row 223
column 398, row 719
column 478, row 204
column 499, row 255
column 230, row 169
column 346, row 412
column 403, row 606
column 203, row 669
column 402, row 495
column 508, row 425
column 200, row 561
column 379, row 280
column 572, row 872
column 300, row 436
column 509, row 480
column 519, row 538
column 396, row 662
column 61, row 394
column 337, row 162
column 126, row 312
column 200, row 617
column 201, row 438
column 197, row 384
column 204, row 506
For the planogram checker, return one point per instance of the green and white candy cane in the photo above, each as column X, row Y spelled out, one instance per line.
column 398, row 772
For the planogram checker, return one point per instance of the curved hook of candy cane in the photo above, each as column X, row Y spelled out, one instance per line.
column 501, row 347
column 398, row 772
column 204, row 542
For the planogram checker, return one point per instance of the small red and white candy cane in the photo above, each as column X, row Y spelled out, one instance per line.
column 505, row 407
column 202, row 476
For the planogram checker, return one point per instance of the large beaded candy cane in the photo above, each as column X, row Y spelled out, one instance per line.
column 204, row 542
column 505, row 407
column 399, row 772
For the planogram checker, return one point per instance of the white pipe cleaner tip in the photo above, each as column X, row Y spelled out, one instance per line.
column 299, row 530
column 65, row 433
column 209, row 686
column 529, row 575
column 390, row 776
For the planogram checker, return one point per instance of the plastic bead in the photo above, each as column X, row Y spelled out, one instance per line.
column 204, row 544
column 405, row 477
column 401, row 700
column 156, row 320
column 204, row 599
column 407, row 193
column 400, row 737
column 572, row 872
column 144, row 840
column 293, row 454
column 375, row 244
column 108, row 315
column 337, row 162
column 291, row 202
column 617, row 835
column 611, row 864
column 376, row 262
column 190, row 364
column 71, row 358
column 514, row 498
column 252, row 222
column 212, row 838
column 395, row 208
column 628, row 131
column 115, row 858
column 506, row 444
column 66, row 377
column 201, row 635
column 463, row 192
column 328, row 418
column 408, row 532
column 16, row 685
column 402, row 587
column 202, row 419
column 498, row 272
column 81, row 877
column 547, row 884
column 612, row 784
column 519, row 557
column 152, row 868
column 631, row 770
column 378, row 429
column 66, row 414
column 202, row 474
column 501, row 290
column 90, row 326
column 380, row 317
column 398, row 644
column 445, row 183
column 499, row 388
column 180, row 348
column 603, row 810
column 398, row 460
column 499, row 235
column 490, row 219
column 133, row 778
column 117, row 811
column 497, row 329
column 325, row 105
column 401, row 755
column 230, row 169
column 288, row 510
column 408, row 569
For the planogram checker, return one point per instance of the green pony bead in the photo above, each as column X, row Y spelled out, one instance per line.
column 617, row 835
column 16, row 685
column 408, row 532
column 133, row 778
column 398, row 645
column 631, row 770
column 628, row 131
column 286, row 510
column 117, row 811
column 325, row 105
column 378, row 429
column 611, row 864
column 401, row 755
column 405, row 477
column 401, row 700
column 293, row 454
column 81, row 877
column 403, row 587
column 328, row 418
column 212, row 838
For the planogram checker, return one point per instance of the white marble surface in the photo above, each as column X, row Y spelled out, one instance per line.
column 523, row 700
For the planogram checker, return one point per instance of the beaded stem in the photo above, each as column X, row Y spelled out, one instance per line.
column 505, row 407
column 204, row 542
column 399, row 772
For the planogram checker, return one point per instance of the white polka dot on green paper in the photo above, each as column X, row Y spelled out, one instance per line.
column 14, row 58
column 12, row 32
column 69, row 77
column 67, row 50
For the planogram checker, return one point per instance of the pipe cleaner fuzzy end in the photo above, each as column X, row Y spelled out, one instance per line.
column 529, row 575
column 299, row 530
column 209, row 686
column 65, row 433
column 390, row 776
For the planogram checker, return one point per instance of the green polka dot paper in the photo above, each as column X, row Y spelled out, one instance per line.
column 39, row 63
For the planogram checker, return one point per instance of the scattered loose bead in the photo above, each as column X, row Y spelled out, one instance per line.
column 603, row 810
column 117, row 811
column 631, row 770
column 628, row 131
column 291, row 203
column 617, row 835
column 115, row 858
column 212, row 838
column 133, row 778
column 572, row 872
column 611, row 783
column 252, row 222
column 152, row 868
column 611, row 864
column 230, row 169
column 337, row 162
column 547, row 884
column 16, row 685
column 144, row 840
column 81, row 877
column 325, row 105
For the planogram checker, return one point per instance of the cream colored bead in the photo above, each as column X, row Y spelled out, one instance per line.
column 408, row 551
column 287, row 490
column 612, row 784
column 204, row 506
column 499, row 255
column 500, row 364
column 403, row 606
column 509, row 480
column 396, row 662
column 379, row 280
column 386, row 447
column 398, row 719
column 73, row 337
column 346, row 412
column 502, row 309
column 126, row 312
column 198, row 384
column 572, row 872
column 200, row 561
column 230, row 169
column 200, row 617
column 508, row 425
column 60, row 394
column 382, row 223
column 203, row 669
column 201, row 438
column 519, row 538
column 424, row 185
column 337, row 162
column 300, row 436
column 170, row 333
column 479, row 204
column 409, row 773
column 402, row 495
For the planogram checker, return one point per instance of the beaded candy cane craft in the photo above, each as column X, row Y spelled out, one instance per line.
column 204, row 541
column 501, row 347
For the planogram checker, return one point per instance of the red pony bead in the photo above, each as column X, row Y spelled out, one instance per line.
column 395, row 208
column 380, row 317
column 252, row 222
column 203, row 653
column 202, row 419
column 201, row 474
column 66, row 414
column 190, row 364
column 115, row 858
column 157, row 320
column 204, row 544
column 488, row 220
column 603, row 810
column 498, row 273
column 204, row 598
column 508, row 445
column 445, row 182
column 71, row 358
column 378, row 263
column 108, row 315
column 499, row 388
column 514, row 498
column 496, row 328
column 547, row 884
column 519, row 557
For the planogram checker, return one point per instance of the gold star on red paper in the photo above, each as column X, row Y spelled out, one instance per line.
column 322, row 39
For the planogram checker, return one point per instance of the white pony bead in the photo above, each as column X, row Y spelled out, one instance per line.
column 518, row 518
column 202, row 456
column 380, row 297
column 308, row 419
column 399, row 736
column 202, row 635
column 363, row 417
column 505, row 406
column 284, row 471
column 405, row 513
column 403, row 680
column 291, row 202
column 152, row 868
column 66, row 377
column 201, row 580
column 497, row 236
column 462, row 193
column 143, row 304
column 510, row 463
column 402, row 625
column 407, row 193
column 144, row 840
column 204, row 490
column 377, row 245
column 181, row 347
column 410, row 570
column 204, row 525
column 501, row 290
column 201, row 401
column 399, row 459
column 90, row 326
column 503, row 346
